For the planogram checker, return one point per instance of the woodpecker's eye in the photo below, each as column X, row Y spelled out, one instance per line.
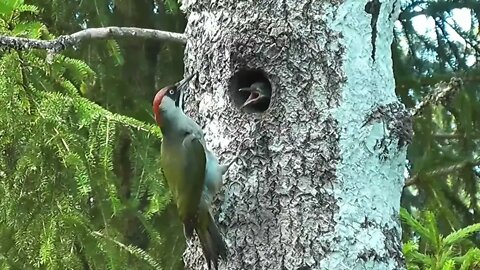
column 171, row 92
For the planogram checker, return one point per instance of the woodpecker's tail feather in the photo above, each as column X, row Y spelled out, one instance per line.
column 212, row 242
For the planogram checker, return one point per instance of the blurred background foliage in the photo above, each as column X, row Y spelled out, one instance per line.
column 435, row 41
column 80, row 185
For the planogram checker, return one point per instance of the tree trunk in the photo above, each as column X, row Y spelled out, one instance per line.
column 321, row 175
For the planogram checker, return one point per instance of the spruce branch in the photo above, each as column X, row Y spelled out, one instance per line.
column 442, row 94
column 63, row 42
column 95, row 109
column 461, row 234
column 135, row 251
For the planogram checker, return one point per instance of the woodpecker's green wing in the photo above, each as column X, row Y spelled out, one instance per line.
column 191, row 189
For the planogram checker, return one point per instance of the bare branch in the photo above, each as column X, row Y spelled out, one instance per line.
column 63, row 42
column 443, row 171
column 448, row 136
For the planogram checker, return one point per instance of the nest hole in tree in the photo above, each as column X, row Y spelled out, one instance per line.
column 250, row 90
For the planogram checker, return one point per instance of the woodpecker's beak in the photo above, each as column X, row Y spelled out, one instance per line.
column 182, row 87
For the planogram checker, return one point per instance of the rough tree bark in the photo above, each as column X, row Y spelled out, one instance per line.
column 322, row 171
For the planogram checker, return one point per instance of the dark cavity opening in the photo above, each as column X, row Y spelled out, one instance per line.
column 250, row 90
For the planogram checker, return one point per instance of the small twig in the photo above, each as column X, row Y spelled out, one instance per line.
column 447, row 136
column 462, row 35
column 63, row 42
column 441, row 171
column 441, row 95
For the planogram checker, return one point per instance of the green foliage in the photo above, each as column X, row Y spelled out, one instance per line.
column 80, row 186
column 11, row 9
column 172, row 5
column 443, row 159
column 428, row 249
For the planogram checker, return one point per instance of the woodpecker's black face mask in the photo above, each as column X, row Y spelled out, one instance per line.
column 175, row 94
column 178, row 95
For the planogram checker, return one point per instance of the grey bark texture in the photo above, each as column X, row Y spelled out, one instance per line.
column 320, row 178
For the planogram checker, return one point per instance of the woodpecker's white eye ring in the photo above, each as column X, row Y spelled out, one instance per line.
column 171, row 92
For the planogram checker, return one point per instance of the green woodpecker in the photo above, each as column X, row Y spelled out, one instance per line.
column 193, row 173
column 259, row 95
